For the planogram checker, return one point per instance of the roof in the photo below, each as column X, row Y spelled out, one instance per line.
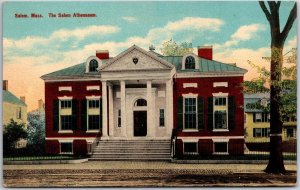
column 205, row 65
column 11, row 98
column 254, row 98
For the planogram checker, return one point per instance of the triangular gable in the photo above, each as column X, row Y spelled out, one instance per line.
column 145, row 60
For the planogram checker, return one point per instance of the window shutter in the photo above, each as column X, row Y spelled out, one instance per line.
column 254, row 117
column 200, row 113
column 56, row 115
column 100, row 106
column 83, row 115
column 180, row 113
column 210, row 109
column 74, row 114
column 231, row 115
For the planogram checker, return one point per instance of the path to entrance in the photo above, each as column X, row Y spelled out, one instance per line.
column 118, row 173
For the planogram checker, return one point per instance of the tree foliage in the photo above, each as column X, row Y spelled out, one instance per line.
column 36, row 131
column 171, row 48
column 12, row 133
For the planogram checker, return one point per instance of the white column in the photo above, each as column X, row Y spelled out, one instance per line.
column 169, row 106
column 123, row 108
column 150, row 118
column 104, row 110
column 111, row 110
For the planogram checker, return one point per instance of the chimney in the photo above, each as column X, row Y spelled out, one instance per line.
column 102, row 54
column 205, row 52
column 22, row 98
column 5, row 85
column 41, row 104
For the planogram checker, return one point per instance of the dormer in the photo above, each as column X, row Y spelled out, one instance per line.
column 190, row 62
column 92, row 64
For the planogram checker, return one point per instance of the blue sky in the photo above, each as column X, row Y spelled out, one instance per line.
column 238, row 32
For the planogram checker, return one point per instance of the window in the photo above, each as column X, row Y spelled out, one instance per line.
column 140, row 102
column 220, row 101
column 261, row 117
column 119, row 118
column 190, row 62
column 220, row 147
column 261, row 132
column 289, row 132
column 221, row 119
column 94, row 104
column 19, row 113
column 93, row 65
column 190, row 113
column 65, row 104
column 94, row 122
column 220, row 113
column 66, row 122
column 190, row 148
column 161, row 117
column 66, row 148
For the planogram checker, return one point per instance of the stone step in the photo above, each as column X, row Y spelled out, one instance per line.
column 131, row 159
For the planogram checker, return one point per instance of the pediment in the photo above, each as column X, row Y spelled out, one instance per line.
column 136, row 58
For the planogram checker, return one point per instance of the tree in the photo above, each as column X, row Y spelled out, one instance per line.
column 36, row 131
column 171, row 48
column 278, row 38
column 13, row 132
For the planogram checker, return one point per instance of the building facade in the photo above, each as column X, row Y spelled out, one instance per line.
column 257, row 120
column 14, row 108
column 192, row 101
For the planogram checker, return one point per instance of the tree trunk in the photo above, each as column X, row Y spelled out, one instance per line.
column 275, row 164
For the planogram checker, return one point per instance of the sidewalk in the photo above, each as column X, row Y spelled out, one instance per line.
column 143, row 174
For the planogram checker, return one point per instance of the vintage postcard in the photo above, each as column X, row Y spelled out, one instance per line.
column 149, row 94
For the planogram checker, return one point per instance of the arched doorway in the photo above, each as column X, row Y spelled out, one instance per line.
column 140, row 118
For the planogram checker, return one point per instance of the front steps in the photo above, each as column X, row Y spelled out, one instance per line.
column 132, row 150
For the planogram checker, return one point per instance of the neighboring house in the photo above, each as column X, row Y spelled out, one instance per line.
column 257, row 120
column 140, row 98
column 14, row 108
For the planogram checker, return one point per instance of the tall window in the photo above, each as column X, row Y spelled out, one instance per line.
column 65, row 114
column 93, row 114
column 161, row 117
column 93, row 65
column 220, row 113
column 190, row 62
column 19, row 113
column 190, row 113
column 119, row 118
column 289, row 132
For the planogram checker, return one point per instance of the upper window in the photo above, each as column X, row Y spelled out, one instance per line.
column 220, row 101
column 65, row 104
column 19, row 113
column 93, row 65
column 190, row 62
column 190, row 113
column 140, row 102
column 261, row 117
column 94, row 103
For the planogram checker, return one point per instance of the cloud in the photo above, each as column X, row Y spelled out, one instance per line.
column 243, row 33
column 129, row 19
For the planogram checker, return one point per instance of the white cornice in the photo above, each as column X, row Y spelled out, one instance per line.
column 207, row 74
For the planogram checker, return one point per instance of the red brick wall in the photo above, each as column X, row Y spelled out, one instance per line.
column 80, row 147
column 78, row 92
column 205, row 89
column 205, row 146
column 206, row 53
column 236, row 146
column 52, row 147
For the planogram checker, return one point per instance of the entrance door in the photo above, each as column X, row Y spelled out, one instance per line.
column 140, row 123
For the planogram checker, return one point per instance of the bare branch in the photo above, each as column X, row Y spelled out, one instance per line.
column 289, row 22
column 266, row 11
column 278, row 4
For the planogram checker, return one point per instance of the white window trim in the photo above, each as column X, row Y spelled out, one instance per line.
column 66, row 152
column 219, row 95
column 190, row 130
column 196, row 61
column 220, row 141
column 190, row 153
column 220, row 84
column 190, row 96
column 65, row 97
column 93, row 97
column 190, row 85
column 60, row 130
column 65, row 88
column 88, row 88
column 92, row 131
